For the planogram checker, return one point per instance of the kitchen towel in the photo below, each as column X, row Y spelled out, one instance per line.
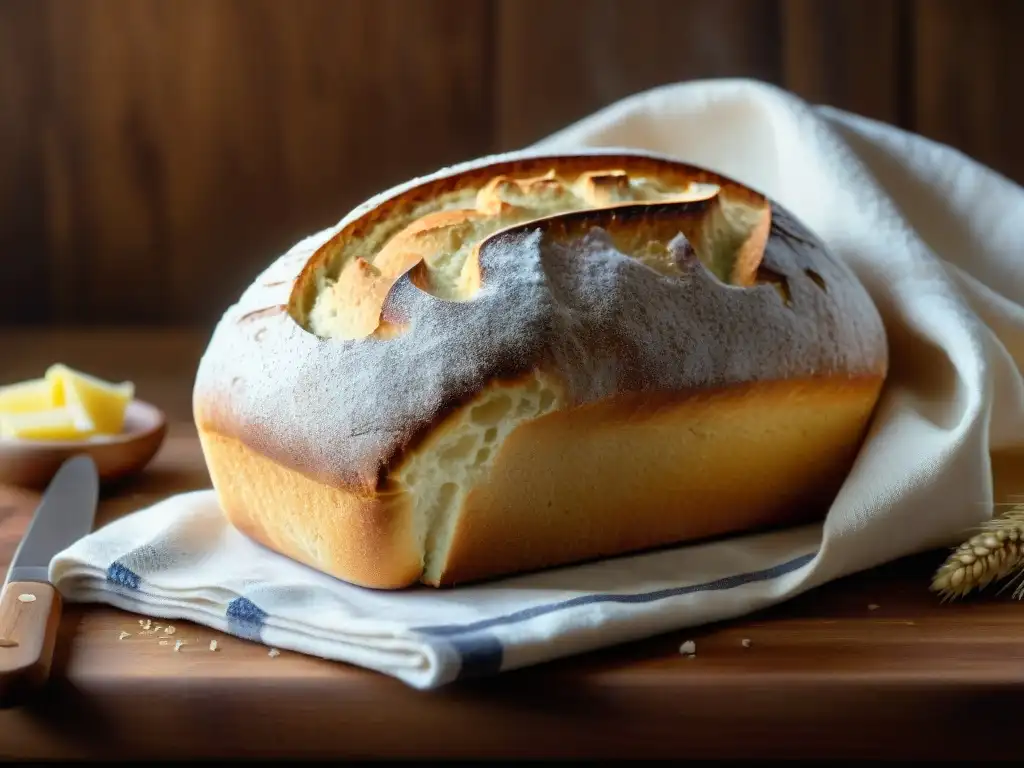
column 937, row 239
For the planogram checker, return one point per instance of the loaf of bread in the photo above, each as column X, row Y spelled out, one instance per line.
column 528, row 361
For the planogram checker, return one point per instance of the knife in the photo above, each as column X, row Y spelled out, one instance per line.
column 30, row 606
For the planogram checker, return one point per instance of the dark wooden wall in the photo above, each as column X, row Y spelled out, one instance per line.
column 156, row 153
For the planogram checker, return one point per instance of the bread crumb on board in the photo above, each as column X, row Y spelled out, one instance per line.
column 745, row 642
column 688, row 648
column 273, row 653
column 165, row 639
column 874, row 607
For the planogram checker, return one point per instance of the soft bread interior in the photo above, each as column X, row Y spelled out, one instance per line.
column 459, row 455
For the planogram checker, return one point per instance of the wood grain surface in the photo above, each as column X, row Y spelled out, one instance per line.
column 156, row 154
column 156, row 139
column 852, row 54
column 870, row 666
column 559, row 61
column 971, row 101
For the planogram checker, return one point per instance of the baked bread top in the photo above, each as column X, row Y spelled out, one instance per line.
column 607, row 272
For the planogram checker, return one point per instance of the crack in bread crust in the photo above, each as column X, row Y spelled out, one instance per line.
column 438, row 241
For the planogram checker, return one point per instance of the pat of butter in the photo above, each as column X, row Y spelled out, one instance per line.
column 29, row 396
column 51, row 424
column 101, row 402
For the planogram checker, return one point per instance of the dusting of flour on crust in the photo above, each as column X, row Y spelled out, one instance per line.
column 596, row 319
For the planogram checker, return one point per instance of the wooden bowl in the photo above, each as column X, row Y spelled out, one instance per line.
column 32, row 463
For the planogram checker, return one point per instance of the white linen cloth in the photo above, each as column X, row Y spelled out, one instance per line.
column 939, row 242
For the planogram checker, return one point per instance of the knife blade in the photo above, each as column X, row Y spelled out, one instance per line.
column 30, row 606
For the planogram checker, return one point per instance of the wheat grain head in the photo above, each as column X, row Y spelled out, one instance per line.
column 993, row 554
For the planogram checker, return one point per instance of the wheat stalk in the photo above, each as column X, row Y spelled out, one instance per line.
column 991, row 555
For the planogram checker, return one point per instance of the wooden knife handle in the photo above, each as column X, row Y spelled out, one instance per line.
column 29, row 618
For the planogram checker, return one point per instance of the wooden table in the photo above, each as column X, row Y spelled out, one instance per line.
column 870, row 666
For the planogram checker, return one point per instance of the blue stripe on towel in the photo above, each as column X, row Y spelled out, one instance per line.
column 245, row 618
column 124, row 573
column 480, row 653
column 718, row 585
column 121, row 575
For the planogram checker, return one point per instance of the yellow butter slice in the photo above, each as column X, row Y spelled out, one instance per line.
column 104, row 403
column 66, row 423
column 34, row 395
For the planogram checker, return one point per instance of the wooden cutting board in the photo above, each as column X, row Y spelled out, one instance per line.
column 871, row 666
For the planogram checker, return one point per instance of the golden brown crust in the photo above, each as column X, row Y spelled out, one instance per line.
column 366, row 541
column 362, row 350
column 652, row 471
column 661, row 470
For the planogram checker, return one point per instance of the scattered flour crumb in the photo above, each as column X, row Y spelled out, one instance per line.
column 689, row 648
column 165, row 642
column 123, row 635
column 273, row 652
column 213, row 645
column 169, row 630
column 745, row 642
column 178, row 644
column 874, row 607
